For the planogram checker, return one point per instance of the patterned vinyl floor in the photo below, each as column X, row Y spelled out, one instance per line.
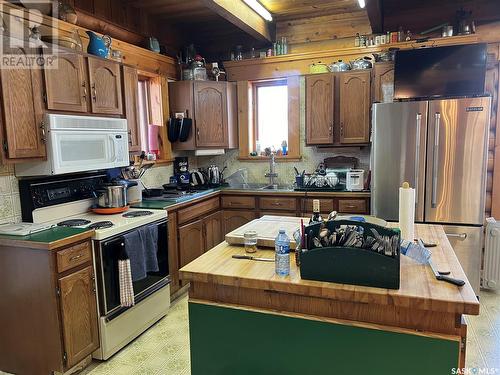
column 164, row 348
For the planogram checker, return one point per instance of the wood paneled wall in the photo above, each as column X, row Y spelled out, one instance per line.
column 491, row 87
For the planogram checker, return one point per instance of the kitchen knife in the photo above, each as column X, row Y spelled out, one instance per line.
column 441, row 277
column 249, row 257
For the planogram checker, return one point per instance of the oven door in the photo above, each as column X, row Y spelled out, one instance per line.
column 77, row 150
column 108, row 253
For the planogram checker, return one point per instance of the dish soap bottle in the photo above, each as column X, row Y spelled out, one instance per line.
column 282, row 247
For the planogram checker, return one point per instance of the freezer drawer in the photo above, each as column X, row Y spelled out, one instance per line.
column 456, row 161
column 398, row 155
column 467, row 242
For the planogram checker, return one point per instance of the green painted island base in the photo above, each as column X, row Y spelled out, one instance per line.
column 226, row 340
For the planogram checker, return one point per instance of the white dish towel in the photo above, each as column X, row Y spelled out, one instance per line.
column 126, row 287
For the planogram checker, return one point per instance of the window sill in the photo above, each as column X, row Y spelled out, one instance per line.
column 266, row 158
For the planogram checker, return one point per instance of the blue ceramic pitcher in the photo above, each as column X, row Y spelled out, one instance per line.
column 98, row 46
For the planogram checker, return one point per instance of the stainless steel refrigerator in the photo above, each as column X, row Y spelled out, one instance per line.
column 440, row 147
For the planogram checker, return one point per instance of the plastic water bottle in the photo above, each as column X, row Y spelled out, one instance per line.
column 282, row 246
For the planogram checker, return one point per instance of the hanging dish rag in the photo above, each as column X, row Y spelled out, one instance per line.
column 126, row 287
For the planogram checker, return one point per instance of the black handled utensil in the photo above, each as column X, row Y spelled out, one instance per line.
column 249, row 257
column 441, row 277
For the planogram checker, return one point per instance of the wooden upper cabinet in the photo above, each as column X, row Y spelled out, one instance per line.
column 66, row 86
column 22, row 110
column 213, row 230
column 354, row 102
column 210, row 102
column 131, row 93
column 105, row 86
column 79, row 315
column 319, row 109
column 383, row 82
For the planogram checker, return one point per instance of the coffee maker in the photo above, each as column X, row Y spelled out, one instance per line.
column 181, row 171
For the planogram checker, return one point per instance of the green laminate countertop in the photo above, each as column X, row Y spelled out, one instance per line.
column 47, row 239
column 154, row 204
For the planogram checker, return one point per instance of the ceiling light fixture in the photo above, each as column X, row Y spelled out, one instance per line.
column 361, row 3
column 259, row 9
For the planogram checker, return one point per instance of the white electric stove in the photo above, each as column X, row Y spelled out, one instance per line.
column 67, row 201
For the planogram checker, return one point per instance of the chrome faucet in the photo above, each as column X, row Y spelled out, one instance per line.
column 272, row 171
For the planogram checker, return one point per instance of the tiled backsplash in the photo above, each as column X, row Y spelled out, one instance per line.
column 10, row 204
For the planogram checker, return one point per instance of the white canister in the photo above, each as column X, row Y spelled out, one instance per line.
column 134, row 193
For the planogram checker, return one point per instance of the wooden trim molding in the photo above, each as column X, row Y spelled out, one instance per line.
column 298, row 63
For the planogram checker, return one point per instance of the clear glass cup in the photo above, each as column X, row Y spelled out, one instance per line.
column 250, row 237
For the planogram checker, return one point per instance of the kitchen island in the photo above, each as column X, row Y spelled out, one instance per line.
column 244, row 319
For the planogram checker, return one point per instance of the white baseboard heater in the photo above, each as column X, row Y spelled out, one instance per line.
column 491, row 270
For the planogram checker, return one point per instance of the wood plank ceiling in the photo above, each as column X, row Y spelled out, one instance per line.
column 211, row 34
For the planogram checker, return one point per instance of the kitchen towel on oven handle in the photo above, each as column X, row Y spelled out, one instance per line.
column 127, row 298
column 141, row 247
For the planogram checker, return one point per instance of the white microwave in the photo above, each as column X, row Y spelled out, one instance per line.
column 79, row 144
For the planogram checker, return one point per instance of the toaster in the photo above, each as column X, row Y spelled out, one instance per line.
column 355, row 180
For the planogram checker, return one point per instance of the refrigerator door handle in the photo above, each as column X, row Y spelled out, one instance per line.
column 417, row 154
column 459, row 236
column 437, row 118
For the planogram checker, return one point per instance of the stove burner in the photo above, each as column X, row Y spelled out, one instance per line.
column 73, row 223
column 137, row 214
column 101, row 225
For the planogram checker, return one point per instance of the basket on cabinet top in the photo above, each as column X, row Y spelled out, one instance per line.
column 351, row 265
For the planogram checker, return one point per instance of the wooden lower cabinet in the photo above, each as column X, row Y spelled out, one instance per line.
column 191, row 242
column 49, row 317
column 233, row 219
column 212, row 228
column 79, row 315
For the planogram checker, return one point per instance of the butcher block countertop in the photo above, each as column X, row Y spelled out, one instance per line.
column 419, row 288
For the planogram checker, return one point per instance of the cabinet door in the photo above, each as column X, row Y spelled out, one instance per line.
column 66, row 86
column 130, row 90
column 383, row 82
column 319, row 109
column 235, row 219
column 79, row 315
column 105, row 86
column 210, row 103
column 191, row 243
column 155, row 102
column 213, row 230
column 22, row 105
column 354, row 99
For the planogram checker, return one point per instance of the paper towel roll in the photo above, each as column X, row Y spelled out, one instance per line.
column 407, row 212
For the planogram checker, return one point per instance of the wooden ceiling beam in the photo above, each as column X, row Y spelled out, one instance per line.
column 243, row 17
column 375, row 15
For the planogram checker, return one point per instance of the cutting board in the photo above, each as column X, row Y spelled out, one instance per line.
column 267, row 228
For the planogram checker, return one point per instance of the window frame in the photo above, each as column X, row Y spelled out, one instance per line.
column 255, row 95
column 247, row 120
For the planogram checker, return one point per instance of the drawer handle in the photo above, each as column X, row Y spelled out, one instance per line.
column 276, row 203
column 235, row 203
column 76, row 257
column 460, row 236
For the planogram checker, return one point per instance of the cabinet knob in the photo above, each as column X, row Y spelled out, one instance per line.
column 84, row 85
